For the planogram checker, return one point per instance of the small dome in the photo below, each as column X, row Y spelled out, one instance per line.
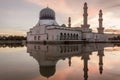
column 47, row 13
column 63, row 25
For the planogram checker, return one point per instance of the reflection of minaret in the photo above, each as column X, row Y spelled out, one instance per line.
column 85, row 15
column 85, row 57
column 101, row 54
column 69, row 61
column 100, row 29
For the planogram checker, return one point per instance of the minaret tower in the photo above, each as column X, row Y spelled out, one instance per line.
column 85, row 25
column 101, row 28
column 69, row 22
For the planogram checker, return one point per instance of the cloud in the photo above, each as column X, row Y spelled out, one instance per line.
column 26, row 12
column 12, row 32
column 57, row 5
column 66, row 8
column 115, row 6
column 112, row 31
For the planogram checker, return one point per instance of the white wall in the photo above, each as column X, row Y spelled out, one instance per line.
column 54, row 34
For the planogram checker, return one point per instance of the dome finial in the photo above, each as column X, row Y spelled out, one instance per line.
column 85, row 3
column 100, row 11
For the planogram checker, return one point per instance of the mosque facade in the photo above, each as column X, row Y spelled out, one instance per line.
column 48, row 30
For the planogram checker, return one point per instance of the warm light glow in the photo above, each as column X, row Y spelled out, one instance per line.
column 26, row 16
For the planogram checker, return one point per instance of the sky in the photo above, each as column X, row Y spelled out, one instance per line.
column 18, row 16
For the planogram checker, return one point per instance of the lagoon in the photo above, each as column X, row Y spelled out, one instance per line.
column 60, row 62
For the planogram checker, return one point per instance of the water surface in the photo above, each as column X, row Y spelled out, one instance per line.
column 60, row 62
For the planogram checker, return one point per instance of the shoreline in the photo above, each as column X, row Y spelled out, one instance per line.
column 17, row 41
column 70, row 42
column 56, row 42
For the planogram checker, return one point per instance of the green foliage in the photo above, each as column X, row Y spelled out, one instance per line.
column 11, row 45
column 115, row 38
column 13, row 38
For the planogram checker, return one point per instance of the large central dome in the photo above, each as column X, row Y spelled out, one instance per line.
column 46, row 17
column 47, row 13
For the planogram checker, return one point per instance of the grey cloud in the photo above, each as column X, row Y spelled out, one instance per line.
column 115, row 6
column 109, row 3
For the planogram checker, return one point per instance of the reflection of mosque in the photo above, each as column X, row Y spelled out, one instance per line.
column 48, row 55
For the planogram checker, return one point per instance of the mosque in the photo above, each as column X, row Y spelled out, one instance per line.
column 48, row 30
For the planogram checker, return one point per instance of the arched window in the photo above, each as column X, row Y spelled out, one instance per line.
column 61, row 49
column 34, row 37
column 65, row 49
column 77, row 36
column 61, row 36
column 68, row 36
column 35, row 47
column 74, row 37
column 64, row 36
column 71, row 36
column 38, row 37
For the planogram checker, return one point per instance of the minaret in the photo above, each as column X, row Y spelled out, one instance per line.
column 101, row 54
column 100, row 29
column 85, row 16
column 69, row 22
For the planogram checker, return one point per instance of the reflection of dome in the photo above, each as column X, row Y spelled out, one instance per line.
column 47, row 13
column 47, row 71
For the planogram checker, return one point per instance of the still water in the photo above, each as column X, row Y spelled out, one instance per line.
column 60, row 62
